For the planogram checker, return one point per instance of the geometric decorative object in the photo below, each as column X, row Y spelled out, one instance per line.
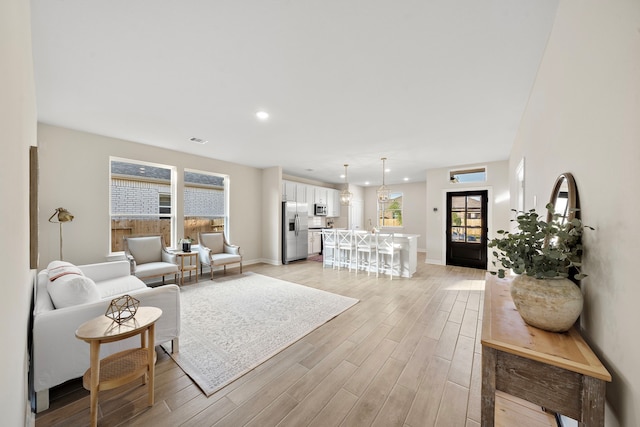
column 63, row 215
column 122, row 309
column 345, row 195
column 383, row 191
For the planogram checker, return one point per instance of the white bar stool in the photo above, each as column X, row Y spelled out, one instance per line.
column 388, row 252
column 329, row 246
column 346, row 245
column 365, row 244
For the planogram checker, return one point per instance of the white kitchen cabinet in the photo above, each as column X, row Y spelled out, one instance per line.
column 310, row 194
column 288, row 191
column 311, row 191
column 333, row 203
column 320, row 195
column 315, row 240
column 301, row 193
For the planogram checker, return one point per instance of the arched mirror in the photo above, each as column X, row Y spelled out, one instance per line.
column 564, row 198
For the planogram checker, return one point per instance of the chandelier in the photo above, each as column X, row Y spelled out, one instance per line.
column 383, row 191
column 345, row 194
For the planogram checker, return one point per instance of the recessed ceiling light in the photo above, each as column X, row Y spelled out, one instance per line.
column 198, row 140
column 262, row 115
column 366, row 183
column 406, row 179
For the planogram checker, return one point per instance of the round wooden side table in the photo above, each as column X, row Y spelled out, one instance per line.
column 123, row 367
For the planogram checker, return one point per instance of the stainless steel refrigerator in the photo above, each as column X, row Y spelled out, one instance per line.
column 295, row 244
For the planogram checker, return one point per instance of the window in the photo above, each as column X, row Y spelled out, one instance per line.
column 468, row 175
column 164, row 204
column 466, row 219
column 141, row 201
column 205, row 203
column 390, row 213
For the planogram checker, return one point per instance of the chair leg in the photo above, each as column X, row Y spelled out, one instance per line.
column 240, row 267
column 211, row 270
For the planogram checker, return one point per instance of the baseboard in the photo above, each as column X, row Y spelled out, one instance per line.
column 434, row 261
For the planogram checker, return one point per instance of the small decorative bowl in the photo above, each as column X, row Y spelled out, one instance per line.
column 122, row 309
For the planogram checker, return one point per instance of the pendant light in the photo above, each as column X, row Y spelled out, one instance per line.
column 345, row 194
column 383, row 191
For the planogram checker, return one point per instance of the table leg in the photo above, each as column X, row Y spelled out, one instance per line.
column 151, row 361
column 593, row 400
column 488, row 403
column 182, row 270
column 95, row 380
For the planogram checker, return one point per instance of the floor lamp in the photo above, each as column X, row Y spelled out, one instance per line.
column 62, row 215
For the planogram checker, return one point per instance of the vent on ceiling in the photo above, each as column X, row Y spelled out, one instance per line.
column 197, row 140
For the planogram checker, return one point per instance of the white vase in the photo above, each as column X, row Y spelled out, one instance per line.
column 550, row 304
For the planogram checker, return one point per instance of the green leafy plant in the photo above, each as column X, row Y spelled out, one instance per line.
column 539, row 248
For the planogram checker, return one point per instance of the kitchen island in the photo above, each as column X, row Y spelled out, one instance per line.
column 408, row 245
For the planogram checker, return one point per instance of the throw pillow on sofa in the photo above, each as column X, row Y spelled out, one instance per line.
column 71, row 287
column 58, row 269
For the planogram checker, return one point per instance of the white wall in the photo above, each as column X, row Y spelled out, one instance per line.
column 271, row 215
column 438, row 184
column 74, row 167
column 583, row 117
column 18, row 124
column 413, row 209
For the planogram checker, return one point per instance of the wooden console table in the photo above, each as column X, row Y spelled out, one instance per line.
column 123, row 367
column 556, row 371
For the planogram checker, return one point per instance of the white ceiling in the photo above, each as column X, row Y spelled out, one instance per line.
column 425, row 83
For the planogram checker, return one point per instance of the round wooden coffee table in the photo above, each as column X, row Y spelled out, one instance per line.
column 123, row 367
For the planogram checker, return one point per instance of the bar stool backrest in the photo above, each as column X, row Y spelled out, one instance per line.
column 384, row 242
column 329, row 238
column 364, row 240
column 345, row 238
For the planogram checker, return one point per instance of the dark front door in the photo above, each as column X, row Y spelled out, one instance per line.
column 467, row 229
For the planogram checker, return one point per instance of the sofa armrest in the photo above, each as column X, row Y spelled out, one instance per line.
column 132, row 263
column 106, row 270
column 232, row 249
column 59, row 356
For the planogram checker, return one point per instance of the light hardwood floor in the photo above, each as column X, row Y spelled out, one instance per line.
column 408, row 355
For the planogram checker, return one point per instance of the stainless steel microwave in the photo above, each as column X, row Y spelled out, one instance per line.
column 320, row 209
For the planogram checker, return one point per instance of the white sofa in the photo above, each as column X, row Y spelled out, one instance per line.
column 58, row 356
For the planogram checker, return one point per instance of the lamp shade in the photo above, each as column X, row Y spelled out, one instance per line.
column 63, row 215
column 383, row 191
column 345, row 194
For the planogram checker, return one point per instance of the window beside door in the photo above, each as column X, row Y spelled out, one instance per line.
column 468, row 175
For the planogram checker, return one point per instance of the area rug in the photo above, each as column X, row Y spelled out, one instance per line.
column 229, row 327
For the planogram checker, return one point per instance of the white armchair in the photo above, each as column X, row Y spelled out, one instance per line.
column 214, row 250
column 149, row 257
